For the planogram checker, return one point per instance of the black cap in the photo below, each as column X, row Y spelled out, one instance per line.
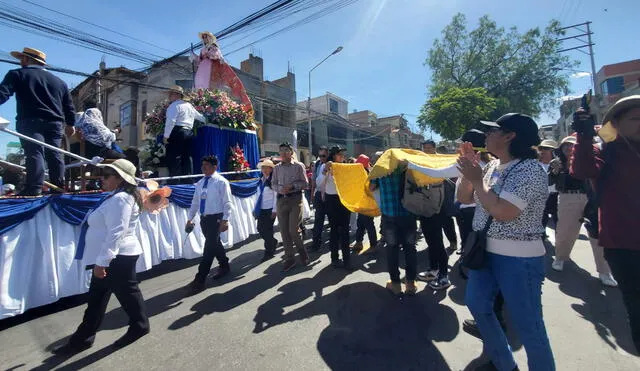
column 336, row 149
column 475, row 137
column 524, row 127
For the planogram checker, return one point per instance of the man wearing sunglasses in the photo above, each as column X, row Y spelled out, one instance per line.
column 318, row 204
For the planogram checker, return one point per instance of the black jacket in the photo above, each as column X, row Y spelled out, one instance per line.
column 39, row 95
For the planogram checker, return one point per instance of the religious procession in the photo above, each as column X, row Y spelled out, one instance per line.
column 509, row 201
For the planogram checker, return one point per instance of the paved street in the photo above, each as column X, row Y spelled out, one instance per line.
column 320, row 318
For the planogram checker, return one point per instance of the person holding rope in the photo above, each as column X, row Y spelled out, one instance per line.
column 44, row 108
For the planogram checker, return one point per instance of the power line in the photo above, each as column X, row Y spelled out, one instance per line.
column 97, row 25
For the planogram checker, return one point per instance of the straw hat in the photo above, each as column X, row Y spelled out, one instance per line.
column 267, row 163
column 124, row 168
column 212, row 36
column 176, row 89
column 34, row 54
column 548, row 143
column 570, row 139
column 608, row 133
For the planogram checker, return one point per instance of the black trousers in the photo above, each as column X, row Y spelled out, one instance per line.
column 121, row 280
column 265, row 229
column 432, row 231
column 449, row 230
column 210, row 225
column 401, row 231
column 465, row 222
column 339, row 224
column 624, row 265
column 91, row 150
column 179, row 150
column 551, row 208
column 365, row 223
column 318, row 223
column 35, row 155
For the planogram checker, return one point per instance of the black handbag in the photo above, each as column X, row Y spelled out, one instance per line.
column 475, row 247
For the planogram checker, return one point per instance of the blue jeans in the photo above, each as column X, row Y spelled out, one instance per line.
column 520, row 281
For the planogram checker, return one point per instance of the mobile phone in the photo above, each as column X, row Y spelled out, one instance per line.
column 586, row 100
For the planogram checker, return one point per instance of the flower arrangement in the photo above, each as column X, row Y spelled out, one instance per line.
column 215, row 105
column 152, row 154
column 237, row 162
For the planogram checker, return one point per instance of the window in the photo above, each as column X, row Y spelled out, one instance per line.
column 185, row 84
column 333, row 105
column 125, row 114
column 614, row 85
column 143, row 109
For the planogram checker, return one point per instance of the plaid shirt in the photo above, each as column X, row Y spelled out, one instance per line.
column 391, row 188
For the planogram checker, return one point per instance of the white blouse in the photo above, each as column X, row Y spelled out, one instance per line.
column 112, row 228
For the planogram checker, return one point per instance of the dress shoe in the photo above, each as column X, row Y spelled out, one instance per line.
column 195, row 287
column 129, row 337
column 223, row 270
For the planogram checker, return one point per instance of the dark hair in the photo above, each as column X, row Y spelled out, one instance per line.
column 563, row 159
column 430, row 141
column 212, row 159
column 519, row 148
column 286, row 145
column 90, row 104
column 323, row 148
column 133, row 191
column 334, row 151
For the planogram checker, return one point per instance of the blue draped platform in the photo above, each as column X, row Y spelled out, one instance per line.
column 213, row 140
column 73, row 208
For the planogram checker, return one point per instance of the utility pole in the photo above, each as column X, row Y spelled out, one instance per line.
column 586, row 44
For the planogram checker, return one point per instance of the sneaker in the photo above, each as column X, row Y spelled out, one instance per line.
column 442, row 283
column 557, row 265
column 223, row 270
column 357, row 246
column 288, row 265
column 410, row 288
column 608, row 280
column 428, row 276
column 395, row 288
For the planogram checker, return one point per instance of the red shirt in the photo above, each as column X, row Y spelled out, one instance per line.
column 620, row 191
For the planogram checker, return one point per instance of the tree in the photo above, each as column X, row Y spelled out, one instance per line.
column 456, row 110
column 523, row 72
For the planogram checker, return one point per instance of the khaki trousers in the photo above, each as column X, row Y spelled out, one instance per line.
column 570, row 211
column 289, row 219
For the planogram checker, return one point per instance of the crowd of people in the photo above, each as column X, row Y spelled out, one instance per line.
column 510, row 186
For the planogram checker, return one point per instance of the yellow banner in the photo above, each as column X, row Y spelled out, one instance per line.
column 352, row 181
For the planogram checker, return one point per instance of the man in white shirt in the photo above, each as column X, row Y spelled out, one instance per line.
column 178, row 133
column 545, row 156
column 212, row 199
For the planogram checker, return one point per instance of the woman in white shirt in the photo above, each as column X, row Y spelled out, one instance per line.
column 338, row 214
column 510, row 196
column 265, row 210
column 111, row 229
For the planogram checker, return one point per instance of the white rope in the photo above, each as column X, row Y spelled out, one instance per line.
column 200, row 175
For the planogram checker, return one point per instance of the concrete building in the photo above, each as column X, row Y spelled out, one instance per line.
column 547, row 132
column 615, row 81
column 360, row 132
column 127, row 100
column 563, row 125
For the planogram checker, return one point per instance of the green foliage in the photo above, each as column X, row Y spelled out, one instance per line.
column 522, row 71
column 456, row 110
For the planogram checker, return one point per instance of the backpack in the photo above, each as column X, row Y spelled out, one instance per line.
column 423, row 201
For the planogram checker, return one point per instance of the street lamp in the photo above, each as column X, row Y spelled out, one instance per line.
column 338, row 50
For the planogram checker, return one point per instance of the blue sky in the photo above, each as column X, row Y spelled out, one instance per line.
column 385, row 41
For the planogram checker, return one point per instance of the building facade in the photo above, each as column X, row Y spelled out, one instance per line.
column 125, row 97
